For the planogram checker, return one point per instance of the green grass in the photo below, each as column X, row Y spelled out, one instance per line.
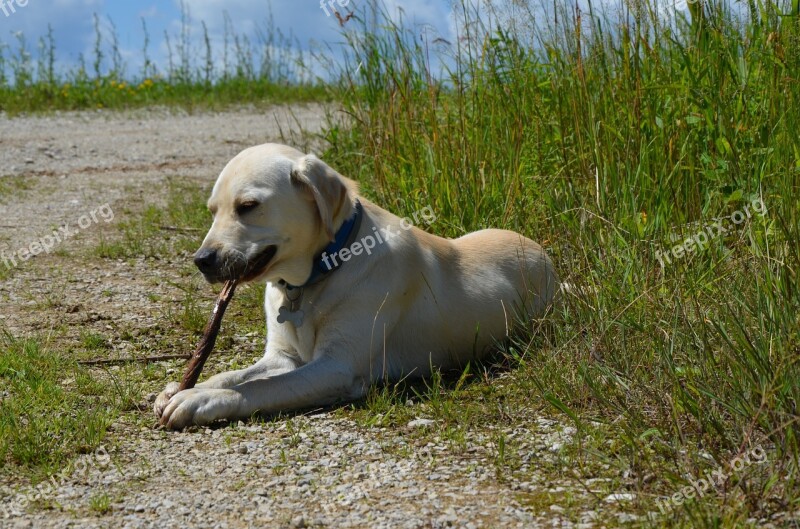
column 93, row 342
column 5, row 271
column 53, row 409
column 603, row 142
column 161, row 229
column 13, row 185
column 111, row 92
column 100, row 504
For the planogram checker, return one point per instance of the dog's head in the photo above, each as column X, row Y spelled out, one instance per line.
column 274, row 209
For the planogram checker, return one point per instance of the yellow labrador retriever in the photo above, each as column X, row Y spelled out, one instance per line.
column 355, row 295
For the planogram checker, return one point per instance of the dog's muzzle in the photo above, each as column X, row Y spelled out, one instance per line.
column 215, row 268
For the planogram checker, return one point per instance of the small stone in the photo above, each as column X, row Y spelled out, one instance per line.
column 420, row 423
column 614, row 498
column 242, row 449
column 298, row 522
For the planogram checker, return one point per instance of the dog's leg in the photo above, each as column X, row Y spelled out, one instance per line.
column 320, row 382
column 273, row 363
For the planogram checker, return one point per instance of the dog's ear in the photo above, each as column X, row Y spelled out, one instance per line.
column 324, row 185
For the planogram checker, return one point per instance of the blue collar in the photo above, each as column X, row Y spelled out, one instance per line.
column 344, row 237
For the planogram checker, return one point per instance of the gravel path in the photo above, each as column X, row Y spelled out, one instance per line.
column 305, row 471
column 318, row 470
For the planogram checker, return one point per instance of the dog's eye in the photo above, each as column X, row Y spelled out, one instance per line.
column 246, row 207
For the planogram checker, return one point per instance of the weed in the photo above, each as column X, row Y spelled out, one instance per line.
column 13, row 186
column 93, row 342
column 100, row 503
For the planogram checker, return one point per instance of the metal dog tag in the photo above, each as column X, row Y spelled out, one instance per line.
column 285, row 314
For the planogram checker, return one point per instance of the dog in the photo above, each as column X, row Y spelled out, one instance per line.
column 354, row 294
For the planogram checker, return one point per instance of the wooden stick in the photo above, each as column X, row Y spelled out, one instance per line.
column 178, row 228
column 144, row 360
column 206, row 344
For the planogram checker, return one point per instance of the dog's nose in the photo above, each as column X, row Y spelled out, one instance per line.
column 206, row 260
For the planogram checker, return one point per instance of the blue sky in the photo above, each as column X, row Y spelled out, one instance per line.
column 74, row 34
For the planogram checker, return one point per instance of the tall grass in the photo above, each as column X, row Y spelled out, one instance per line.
column 605, row 136
column 271, row 67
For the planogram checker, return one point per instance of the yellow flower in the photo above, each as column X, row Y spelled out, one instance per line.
column 122, row 86
column 147, row 83
column 113, row 82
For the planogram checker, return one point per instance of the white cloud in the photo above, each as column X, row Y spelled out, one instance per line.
column 150, row 12
column 73, row 4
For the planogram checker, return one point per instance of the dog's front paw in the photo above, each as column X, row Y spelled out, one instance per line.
column 200, row 406
column 163, row 398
